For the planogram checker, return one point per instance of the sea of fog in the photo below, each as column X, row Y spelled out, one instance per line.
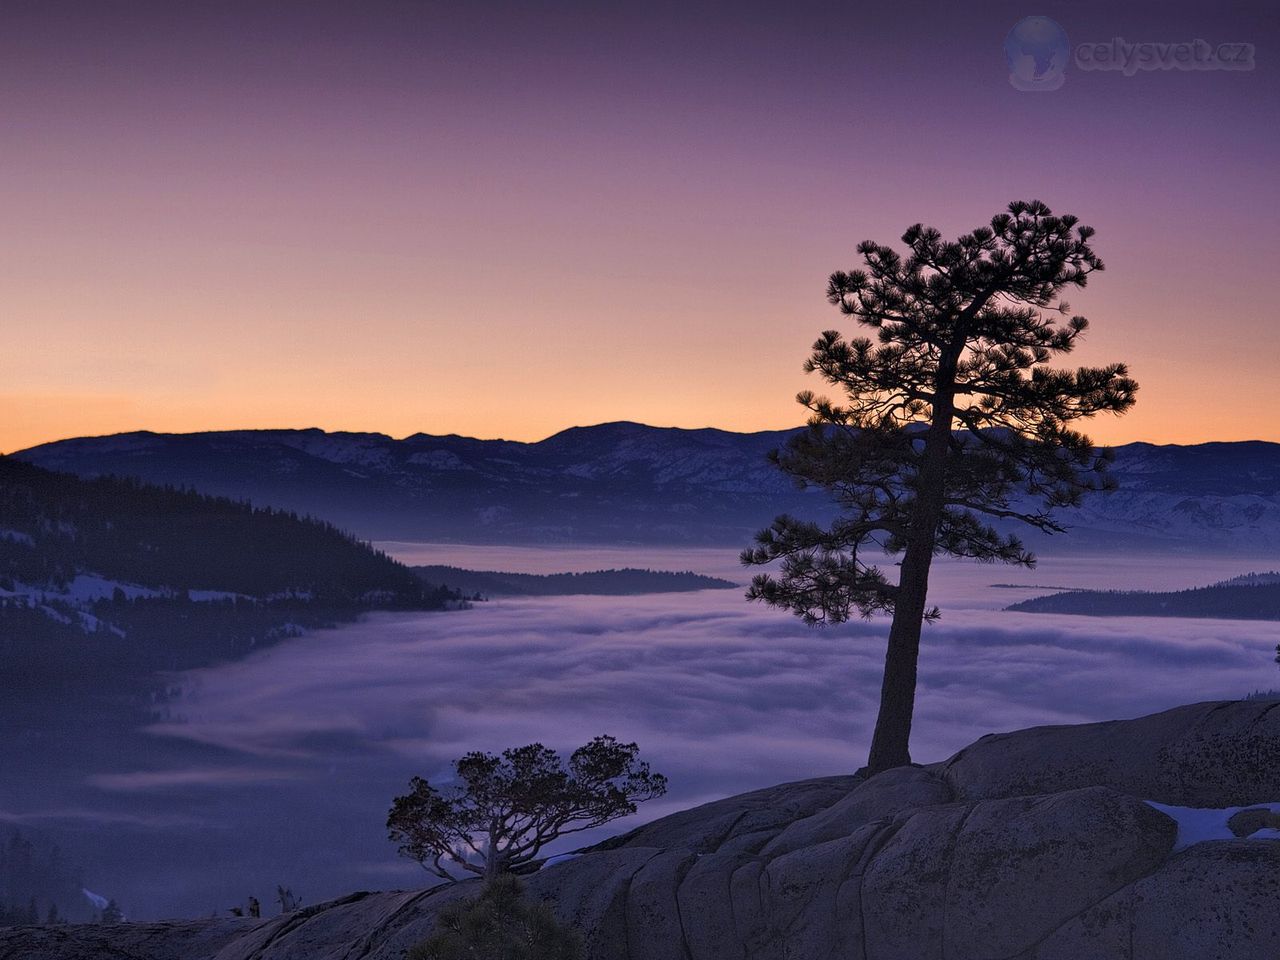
column 279, row 769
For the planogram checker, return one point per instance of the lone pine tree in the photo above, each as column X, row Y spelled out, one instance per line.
column 950, row 421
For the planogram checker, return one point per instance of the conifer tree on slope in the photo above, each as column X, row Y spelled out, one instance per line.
column 949, row 420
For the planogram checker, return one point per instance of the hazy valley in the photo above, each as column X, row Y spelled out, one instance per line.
column 222, row 788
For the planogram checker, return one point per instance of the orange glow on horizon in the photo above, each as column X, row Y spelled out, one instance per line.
column 440, row 226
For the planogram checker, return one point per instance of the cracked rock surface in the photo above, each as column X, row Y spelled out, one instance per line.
column 1034, row 845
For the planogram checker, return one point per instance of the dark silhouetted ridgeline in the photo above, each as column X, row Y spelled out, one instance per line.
column 38, row 884
column 111, row 578
column 630, row 483
column 55, row 526
column 623, row 582
column 1252, row 597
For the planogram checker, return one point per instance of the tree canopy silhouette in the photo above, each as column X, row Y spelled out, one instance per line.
column 949, row 421
column 502, row 810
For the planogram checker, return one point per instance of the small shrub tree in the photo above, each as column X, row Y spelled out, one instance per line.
column 502, row 810
column 499, row 925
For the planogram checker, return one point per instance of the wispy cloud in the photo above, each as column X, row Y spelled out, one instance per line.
column 103, row 818
column 146, row 780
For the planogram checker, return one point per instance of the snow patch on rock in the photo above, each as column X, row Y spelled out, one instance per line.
column 1198, row 824
column 559, row 858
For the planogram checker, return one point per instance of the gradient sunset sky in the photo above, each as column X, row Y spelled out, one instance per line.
column 504, row 219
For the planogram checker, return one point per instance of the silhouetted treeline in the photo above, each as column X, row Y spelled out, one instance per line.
column 1227, row 601
column 627, row 580
column 1253, row 578
column 271, row 575
column 53, row 526
column 37, row 883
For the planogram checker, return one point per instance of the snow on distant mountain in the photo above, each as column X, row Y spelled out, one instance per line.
column 631, row 483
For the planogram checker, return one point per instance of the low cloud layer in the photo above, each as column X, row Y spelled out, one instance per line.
column 725, row 694
column 292, row 756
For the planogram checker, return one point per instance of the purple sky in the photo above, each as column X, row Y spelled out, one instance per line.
column 506, row 219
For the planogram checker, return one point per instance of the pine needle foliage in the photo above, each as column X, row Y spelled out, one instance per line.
column 949, row 424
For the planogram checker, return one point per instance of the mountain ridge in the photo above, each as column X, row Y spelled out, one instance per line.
column 617, row 582
column 625, row 482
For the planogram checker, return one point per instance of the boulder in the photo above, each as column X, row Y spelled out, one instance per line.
column 1023, row 866
column 1219, row 754
column 653, row 909
column 1248, row 822
column 891, row 793
column 1213, row 901
column 904, row 886
column 757, row 814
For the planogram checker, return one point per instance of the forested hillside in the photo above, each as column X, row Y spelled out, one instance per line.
column 1251, row 597
column 105, row 579
column 624, row 582
column 54, row 526
column 38, row 884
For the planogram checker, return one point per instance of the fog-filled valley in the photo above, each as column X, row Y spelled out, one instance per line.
column 278, row 768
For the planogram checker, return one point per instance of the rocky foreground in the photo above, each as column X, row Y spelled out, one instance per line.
column 1035, row 845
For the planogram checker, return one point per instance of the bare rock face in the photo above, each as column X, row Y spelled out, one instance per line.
column 171, row 940
column 893, row 791
column 1204, row 755
column 1213, row 901
column 1045, row 859
column 1034, row 845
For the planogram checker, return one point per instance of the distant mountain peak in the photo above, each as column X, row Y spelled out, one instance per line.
column 626, row 482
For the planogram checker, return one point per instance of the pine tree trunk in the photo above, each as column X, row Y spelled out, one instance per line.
column 890, row 743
